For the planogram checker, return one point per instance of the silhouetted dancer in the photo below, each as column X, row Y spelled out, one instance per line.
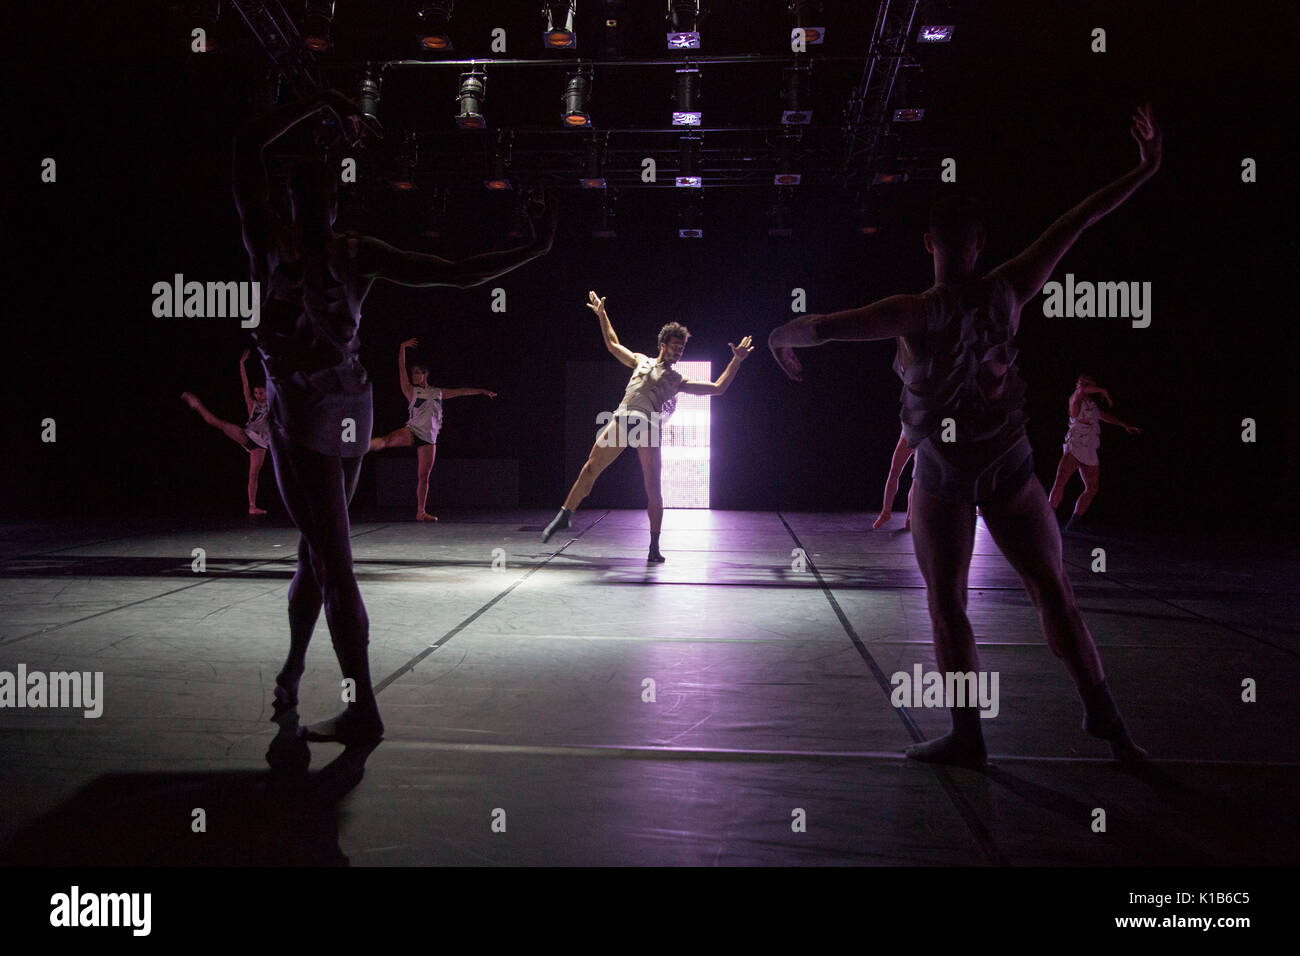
column 313, row 283
column 423, row 422
column 960, row 377
column 1079, row 453
column 647, row 403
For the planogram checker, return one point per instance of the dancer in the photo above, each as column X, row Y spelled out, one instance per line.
column 902, row 452
column 1080, row 450
column 424, row 421
column 313, row 283
column 962, row 373
column 254, row 437
column 646, row 405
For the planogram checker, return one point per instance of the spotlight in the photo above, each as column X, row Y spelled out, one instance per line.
column 497, row 179
column 576, row 93
column 404, row 163
column 909, row 115
column 806, row 13
column 787, row 161
column 796, row 97
column 561, row 39
column 605, row 220
column 934, row 34
column 316, row 25
column 690, row 218
column 611, row 12
column 688, row 172
column 473, row 91
column 435, row 22
column 687, row 98
column 866, row 223
column 594, row 176
column 880, row 179
column 683, row 24
column 368, row 94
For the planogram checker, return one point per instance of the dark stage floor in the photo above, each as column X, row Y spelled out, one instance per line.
column 520, row 689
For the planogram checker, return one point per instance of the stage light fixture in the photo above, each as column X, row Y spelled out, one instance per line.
column 520, row 228
column 909, row 115
column 688, row 170
column 594, row 175
column 604, row 228
column 806, row 13
column 436, row 221
column 368, row 94
column 473, row 91
column 787, row 163
column 611, row 12
column 577, row 92
column 316, row 25
column 935, row 34
column 888, row 179
column 404, row 163
column 435, row 26
column 562, row 38
column 686, row 98
column 496, row 179
column 690, row 221
column 778, row 221
column 796, row 96
column 683, row 24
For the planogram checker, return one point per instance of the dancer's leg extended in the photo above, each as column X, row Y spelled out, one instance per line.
column 1025, row 530
column 902, row 452
column 316, row 490
column 229, row 429
column 1091, row 475
column 944, row 533
column 1064, row 469
column 603, row 452
column 398, row 438
column 651, row 473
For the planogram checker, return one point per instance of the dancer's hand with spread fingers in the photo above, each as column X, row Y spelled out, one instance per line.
column 742, row 350
column 410, row 343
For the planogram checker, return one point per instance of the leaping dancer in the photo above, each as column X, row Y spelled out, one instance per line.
column 1081, row 443
column 254, row 437
column 646, row 405
column 961, row 372
column 424, row 421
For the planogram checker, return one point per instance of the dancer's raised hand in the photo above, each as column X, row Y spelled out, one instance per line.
column 1148, row 136
column 742, row 350
column 410, row 343
column 785, row 358
column 597, row 304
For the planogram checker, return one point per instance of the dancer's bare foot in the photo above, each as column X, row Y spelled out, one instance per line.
column 349, row 728
column 958, row 750
column 907, row 523
column 425, row 516
column 881, row 521
column 254, row 510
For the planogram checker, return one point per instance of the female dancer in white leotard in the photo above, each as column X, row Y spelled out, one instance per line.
column 254, row 437
column 1081, row 443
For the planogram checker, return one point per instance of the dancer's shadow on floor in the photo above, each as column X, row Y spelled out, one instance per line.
column 287, row 817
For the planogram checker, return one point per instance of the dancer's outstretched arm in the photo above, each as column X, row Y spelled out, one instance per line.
column 738, row 354
column 621, row 352
column 378, row 260
column 401, row 367
column 889, row 318
column 1028, row 271
column 459, row 392
column 243, row 380
column 1112, row 420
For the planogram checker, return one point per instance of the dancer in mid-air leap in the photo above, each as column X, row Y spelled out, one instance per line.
column 961, row 367
column 637, row 422
column 313, row 282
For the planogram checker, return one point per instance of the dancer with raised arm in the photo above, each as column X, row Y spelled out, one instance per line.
column 423, row 422
column 254, row 437
column 645, row 408
column 313, row 283
column 961, row 383
column 1080, row 450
